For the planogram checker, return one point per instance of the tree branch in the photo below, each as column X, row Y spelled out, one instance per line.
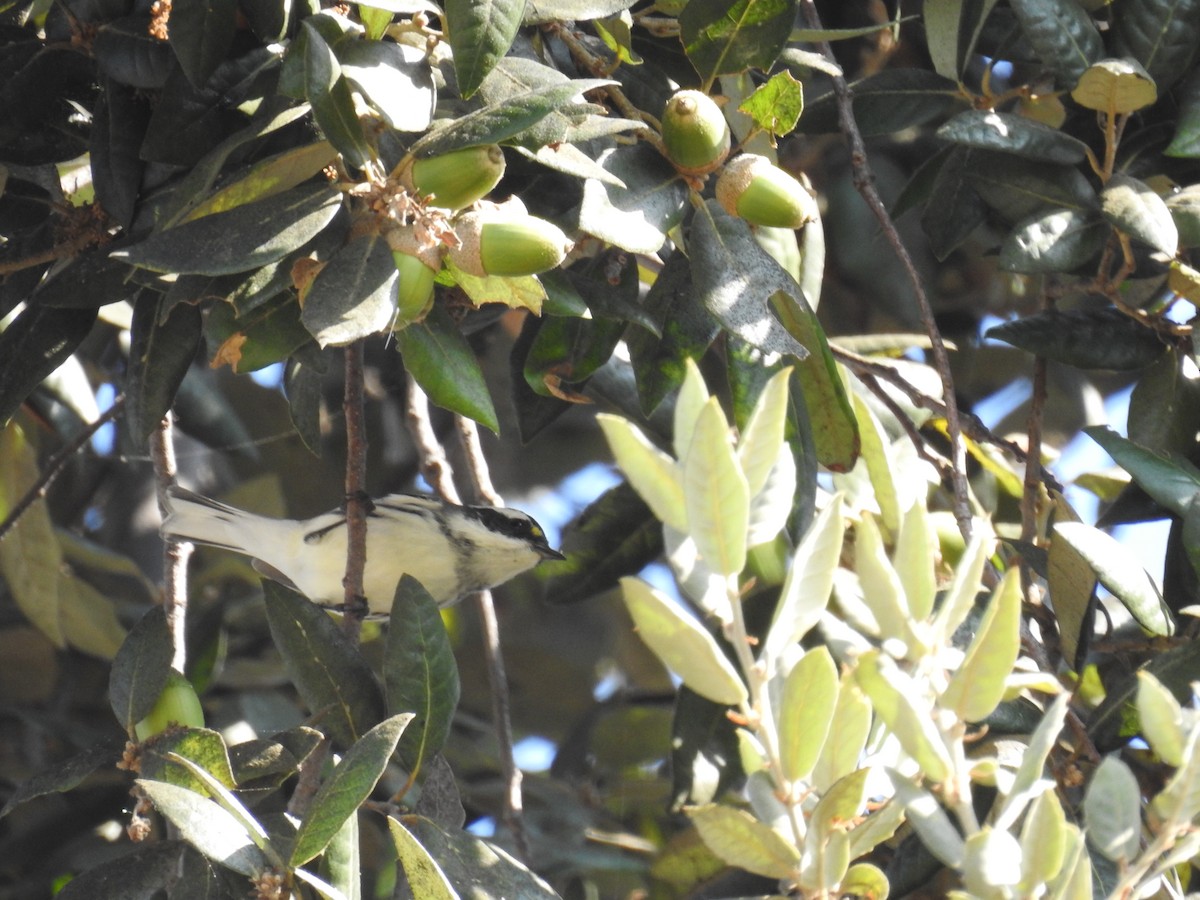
column 176, row 553
column 864, row 181
column 357, row 502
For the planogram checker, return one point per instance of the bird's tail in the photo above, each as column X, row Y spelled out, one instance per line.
column 191, row 517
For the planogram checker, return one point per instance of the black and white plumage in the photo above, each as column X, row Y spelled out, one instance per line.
column 452, row 550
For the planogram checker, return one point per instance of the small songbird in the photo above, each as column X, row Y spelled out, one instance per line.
column 452, row 550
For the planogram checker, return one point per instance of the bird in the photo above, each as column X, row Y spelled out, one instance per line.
column 452, row 550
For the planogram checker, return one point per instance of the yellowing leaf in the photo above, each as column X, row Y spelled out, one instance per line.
column 894, row 695
column 518, row 292
column 978, row 686
column 716, row 495
column 652, row 473
column 1115, row 86
column 30, row 556
column 806, row 710
column 230, row 352
column 682, row 643
column 760, row 443
column 741, row 840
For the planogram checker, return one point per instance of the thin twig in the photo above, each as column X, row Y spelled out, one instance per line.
column 513, row 810
column 438, row 472
column 176, row 553
column 357, row 503
column 864, row 181
column 54, row 465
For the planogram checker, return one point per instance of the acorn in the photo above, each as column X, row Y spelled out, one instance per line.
column 176, row 705
column 695, row 133
column 504, row 241
column 417, row 267
column 457, row 179
column 755, row 189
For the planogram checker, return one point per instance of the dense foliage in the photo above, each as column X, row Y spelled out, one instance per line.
column 885, row 653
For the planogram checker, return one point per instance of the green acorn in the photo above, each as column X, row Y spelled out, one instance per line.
column 755, row 189
column 417, row 267
column 695, row 133
column 504, row 241
column 457, row 179
column 176, row 705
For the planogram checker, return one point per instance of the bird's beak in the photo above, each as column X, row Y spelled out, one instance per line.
column 550, row 553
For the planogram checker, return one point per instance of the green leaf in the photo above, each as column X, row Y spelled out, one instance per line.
column 62, row 777
column 480, row 33
column 724, row 38
column 1119, row 570
column 1115, row 86
column 1029, row 778
column 653, row 474
column 1171, row 480
column 1186, row 142
column 1112, row 811
column 807, row 705
column 986, row 129
column 33, row 345
column 1160, row 34
column 897, row 700
column 776, row 104
column 693, row 394
column 954, row 209
column 880, row 464
column 140, row 669
column 420, row 675
column 497, row 122
column 462, row 856
column 914, row 556
column 835, row 429
column 438, row 356
column 882, row 591
column 929, row 820
column 977, row 687
column 1044, row 839
column 331, row 676
column 715, row 494
column 201, row 35
column 396, row 79
column 239, row 239
column 424, row 875
column 615, row 535
column 637, row 214
column 162, row 346
column 1018, row 188
column 203, row 748
column 267, row 334
column 1135, row 209
column 265, row 179
column 1161, row 719
column 1179, row 800
column 1185, row 210
column 353, row 295
column 990, row 857
column 351, row 783
column 1063, row 36
column 735, row 278
column 960, row 595
column 1072, row 584
column 1056, row 241
column 328, row 92
column 688, row 330
column 207, row 827
column 30, row 555
column 762, row 438
column 682, row 644
column 849, row 728
column 617, row 34
column 741, row 840
column 1084, row 338
column 809, row 582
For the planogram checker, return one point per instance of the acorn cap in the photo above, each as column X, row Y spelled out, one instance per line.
column 755, row 189
column 695, row 133
column 499, row 241
column 457, row 179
